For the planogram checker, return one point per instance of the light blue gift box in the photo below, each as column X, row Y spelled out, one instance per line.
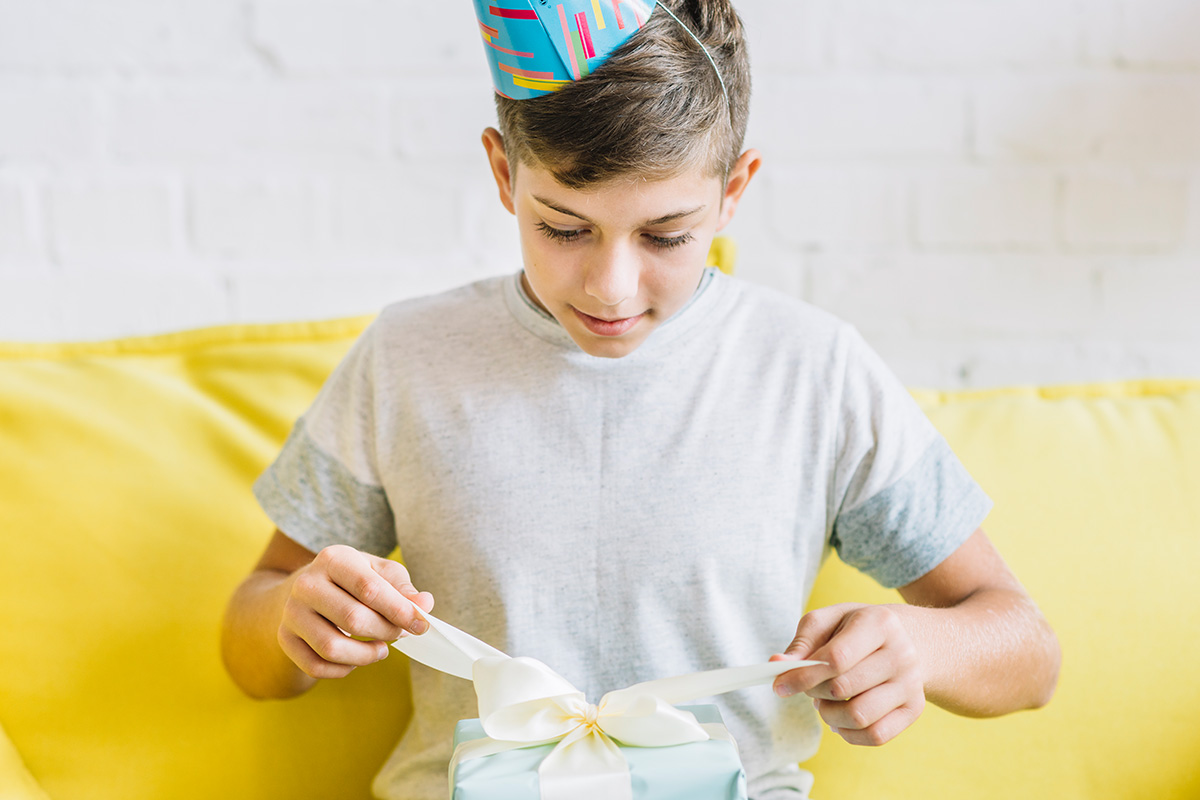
column 708, row 770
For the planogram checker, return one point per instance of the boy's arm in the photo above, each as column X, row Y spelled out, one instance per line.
column 281, row 628
column 971, row 640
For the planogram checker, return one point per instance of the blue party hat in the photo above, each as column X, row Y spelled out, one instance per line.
column 536, row 47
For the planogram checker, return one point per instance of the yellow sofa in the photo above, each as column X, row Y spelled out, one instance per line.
column 127, row 519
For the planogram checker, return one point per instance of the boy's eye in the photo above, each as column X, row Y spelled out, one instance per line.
column 661, row 242
column 665, row 243
column 556, row 233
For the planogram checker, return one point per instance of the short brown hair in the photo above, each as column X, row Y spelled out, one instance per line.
column 654, row 109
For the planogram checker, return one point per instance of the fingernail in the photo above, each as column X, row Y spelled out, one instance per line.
column 383, row 651
column 419, row 626
column 784, row 691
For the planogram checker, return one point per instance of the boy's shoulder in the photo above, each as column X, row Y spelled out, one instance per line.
column 464, row 298
column 783, row 318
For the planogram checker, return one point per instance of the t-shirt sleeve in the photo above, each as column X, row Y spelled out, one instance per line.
column 324, row 486
column 904, row 500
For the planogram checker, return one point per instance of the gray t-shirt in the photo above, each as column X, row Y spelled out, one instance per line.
column 621, row 519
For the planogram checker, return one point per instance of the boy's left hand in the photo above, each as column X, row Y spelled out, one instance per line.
column 873, row 687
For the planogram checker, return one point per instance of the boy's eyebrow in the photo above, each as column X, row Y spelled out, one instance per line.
column 659, row 221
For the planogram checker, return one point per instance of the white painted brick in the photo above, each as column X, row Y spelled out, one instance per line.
column 762, row 256
column 1100, row 22
column 108, row 303
column 118, row 302
column 396, row 211
column 861, row 116
column 356, row 289
column 952, row 295
column 1149, row 119
column 1165, row 359
column 1038, row 118
column 988, row 363
column 256, row 218
column 488, row 227
column 960, row 34
column 1191, row 242
column 252, row 124
column 826, row 207
column 131, row 218
column 46, row 119
column 444, row 118
column 340, row 37
column 1110, row 117
column 978, row 362
column 1151, row 299
column 798, row 41
column 31, row 307
column 72, row 37
column 1159, row 33
column 1123, row 210
column 17, row 239
column 991, row 209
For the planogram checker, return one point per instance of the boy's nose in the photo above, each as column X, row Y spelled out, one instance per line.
column 612, row 277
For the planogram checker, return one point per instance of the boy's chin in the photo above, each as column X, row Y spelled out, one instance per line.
column 616, row 347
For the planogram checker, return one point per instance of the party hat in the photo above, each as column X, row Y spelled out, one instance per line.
column 536, row 47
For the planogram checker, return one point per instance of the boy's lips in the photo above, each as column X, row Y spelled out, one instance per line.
column 607, row 327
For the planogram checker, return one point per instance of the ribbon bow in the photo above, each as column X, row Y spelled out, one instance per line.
column 524, row 703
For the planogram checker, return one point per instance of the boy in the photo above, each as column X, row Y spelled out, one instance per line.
column 630, row 466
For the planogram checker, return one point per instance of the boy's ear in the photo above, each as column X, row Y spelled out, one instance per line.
column 493, row 144
column 739, row 178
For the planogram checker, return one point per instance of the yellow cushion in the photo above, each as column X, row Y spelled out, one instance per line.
column 1097, row 492
column 15, row 781
column 125, row 505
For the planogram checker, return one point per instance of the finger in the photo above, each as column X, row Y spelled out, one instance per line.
column 332, row 645
column 355, row 573
column 864, row 710
column 396, row 574
column 885, row 729
column 877, row 668
column 853, row 639
column 354, row 618
column 815, row 628
column 307, row 659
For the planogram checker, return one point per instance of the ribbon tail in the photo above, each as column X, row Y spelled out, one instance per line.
column 478, row 748
column 686, row 688
column 586, row 765
column 445, row 648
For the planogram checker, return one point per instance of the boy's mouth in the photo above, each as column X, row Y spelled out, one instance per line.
column 607, row 327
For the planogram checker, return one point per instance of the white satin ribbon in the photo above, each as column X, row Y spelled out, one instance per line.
column 524, row 703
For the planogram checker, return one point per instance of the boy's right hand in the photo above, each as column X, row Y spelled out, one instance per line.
column 345, row 593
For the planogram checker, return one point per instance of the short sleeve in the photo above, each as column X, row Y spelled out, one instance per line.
column 904, row 500
column 324, row 486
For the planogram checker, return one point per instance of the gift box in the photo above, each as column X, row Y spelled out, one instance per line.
column 538, row 738
column 708, row 770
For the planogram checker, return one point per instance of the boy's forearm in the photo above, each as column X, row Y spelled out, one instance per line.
column 249, row 639
column 991, row 654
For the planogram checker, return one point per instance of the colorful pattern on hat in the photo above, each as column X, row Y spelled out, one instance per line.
column 536, row 47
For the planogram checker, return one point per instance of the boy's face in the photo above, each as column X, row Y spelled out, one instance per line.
column 613, row 262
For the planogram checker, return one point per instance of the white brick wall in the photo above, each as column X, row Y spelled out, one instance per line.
column 995, row 193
